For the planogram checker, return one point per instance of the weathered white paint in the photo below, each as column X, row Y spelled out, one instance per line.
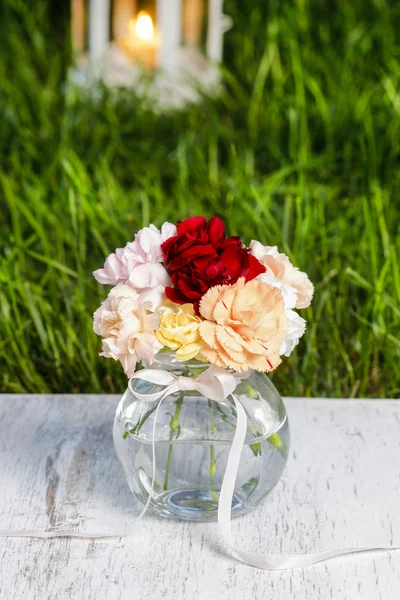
column 99, row 20
column 58, row 471
column 169, row 24
column 218, row 23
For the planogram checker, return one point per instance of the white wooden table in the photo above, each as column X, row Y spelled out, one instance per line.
column 58, row 471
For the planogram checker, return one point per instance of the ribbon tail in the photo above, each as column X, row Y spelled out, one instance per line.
column 271, row 562
column 154, row 466
column 229, row 481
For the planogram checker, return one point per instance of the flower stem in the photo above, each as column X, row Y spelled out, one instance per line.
column 213, row 459
column 277, row 442
column 166, row 476
column 175, row 429
column 139, row 424
column 213, row 463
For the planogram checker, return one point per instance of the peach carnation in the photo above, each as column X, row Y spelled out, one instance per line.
column 245, row 325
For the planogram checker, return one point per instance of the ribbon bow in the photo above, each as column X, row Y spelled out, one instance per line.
column 214, row 383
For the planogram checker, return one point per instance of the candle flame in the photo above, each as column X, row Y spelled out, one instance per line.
column 142, row 26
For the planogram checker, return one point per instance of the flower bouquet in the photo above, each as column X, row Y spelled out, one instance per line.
column 196, row 319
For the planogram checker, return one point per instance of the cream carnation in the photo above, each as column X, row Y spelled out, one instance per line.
column 127, row 328
column 280, row 269
column 296, row 289
column 245, row 325
column 296, row 325
column 140, row 264
column 296, row 329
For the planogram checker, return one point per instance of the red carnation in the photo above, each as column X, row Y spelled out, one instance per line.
column 200, row 256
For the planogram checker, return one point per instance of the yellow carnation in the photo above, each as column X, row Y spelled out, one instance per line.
column 179, row 330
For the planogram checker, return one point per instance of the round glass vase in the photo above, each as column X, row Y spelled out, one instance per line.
column 193, row 436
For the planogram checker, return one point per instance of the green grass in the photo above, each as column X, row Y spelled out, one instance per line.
column 301, row 150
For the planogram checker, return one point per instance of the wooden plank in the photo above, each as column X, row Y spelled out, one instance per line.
column 58, row 471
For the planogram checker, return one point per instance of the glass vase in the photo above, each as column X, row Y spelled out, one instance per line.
column 193, row 436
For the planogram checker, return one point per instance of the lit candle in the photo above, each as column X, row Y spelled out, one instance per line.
column 143, row 41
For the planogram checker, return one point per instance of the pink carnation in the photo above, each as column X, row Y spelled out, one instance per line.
column 140, row 264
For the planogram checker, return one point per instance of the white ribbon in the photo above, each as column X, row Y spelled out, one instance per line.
column 217, row 384
column 214, row 383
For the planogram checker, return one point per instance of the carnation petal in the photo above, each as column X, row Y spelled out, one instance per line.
column 209, row 301
column 212, row 356
column 216, row 230
column 175, row 295
column 296, row 329
column 255, row 268
column 149, row 275
column 128, row 362
column 102, row 277
column 149, row 239
column 233, row 261
column 189, row 291
column 193, row 223
column 153, row 296
column 223, row 308
column 168, row 230
column 264, row 364
column 189, row 351
column 145, row 347
column 229, row 361
column 207, row 332
column 227, row 340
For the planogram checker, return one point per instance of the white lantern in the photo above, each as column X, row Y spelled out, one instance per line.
column 181, row 39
